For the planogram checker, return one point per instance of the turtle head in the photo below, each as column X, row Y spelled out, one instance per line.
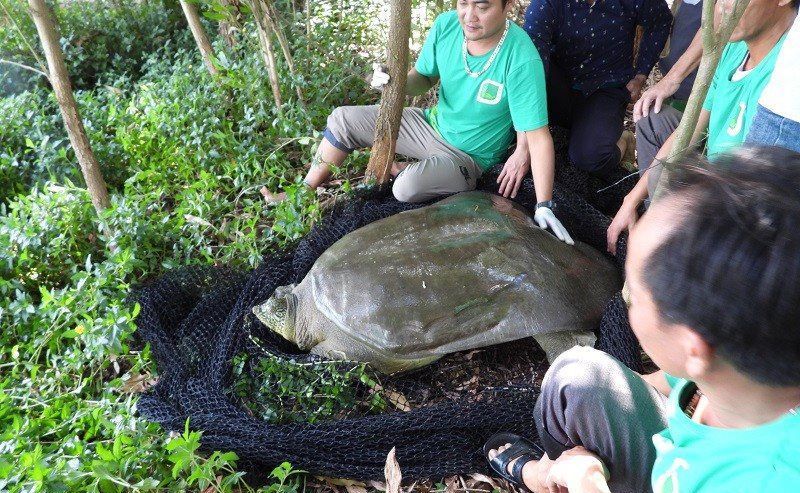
column 279, row 313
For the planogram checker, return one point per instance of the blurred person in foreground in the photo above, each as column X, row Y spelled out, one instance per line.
column 714, row 276
column 745, row 68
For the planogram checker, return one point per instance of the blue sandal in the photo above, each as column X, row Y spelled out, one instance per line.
column 521, row 450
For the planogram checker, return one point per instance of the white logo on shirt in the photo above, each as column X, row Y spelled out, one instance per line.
column 490, row 92
column 735, row 126
column 668, row 482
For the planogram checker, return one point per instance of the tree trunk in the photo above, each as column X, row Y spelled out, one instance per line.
column 271, row 19
column 714, row 41
column 308, row 18
column 228, row 27
column 393, row 99
column 268, row 53
column 59, row 79
column 203, row 44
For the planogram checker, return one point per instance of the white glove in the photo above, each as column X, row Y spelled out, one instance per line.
column 379, row 77
column 545, row 218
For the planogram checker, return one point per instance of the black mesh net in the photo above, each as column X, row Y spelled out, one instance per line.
column 251, row 392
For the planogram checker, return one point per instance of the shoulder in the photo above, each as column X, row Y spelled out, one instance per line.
column 522, row 48
column 734, row 51
column 446, row 20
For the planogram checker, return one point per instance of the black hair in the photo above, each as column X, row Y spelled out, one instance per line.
column 730, row 267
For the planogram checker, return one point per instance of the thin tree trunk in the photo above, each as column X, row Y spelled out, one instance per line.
column 59, row 79
column 393, row 99
column 268, row 53
column 308, row 18
column 227, row 28
column 203, row 44
column 272, row 21
column 714, row 41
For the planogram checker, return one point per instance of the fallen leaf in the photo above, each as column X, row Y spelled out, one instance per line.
column 272, row 198
column 451, row 484
column 351, row 485
column 398, row 400
column 138, row 383
column 482, row 478
column 391, row 472
column 378, row 485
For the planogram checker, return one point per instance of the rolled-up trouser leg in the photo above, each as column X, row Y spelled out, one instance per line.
column 441, row 168
column 588, row 398
column 651, row 133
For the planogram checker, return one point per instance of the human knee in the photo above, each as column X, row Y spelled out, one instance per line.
column 594, row 158
column 580, row 373
column 407, row 190
column 655, row 127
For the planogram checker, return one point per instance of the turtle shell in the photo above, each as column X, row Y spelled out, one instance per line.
column 469, row 271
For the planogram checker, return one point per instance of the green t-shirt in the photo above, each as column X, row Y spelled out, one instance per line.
column 475, row 114
column 733, row 103
column 691, row 457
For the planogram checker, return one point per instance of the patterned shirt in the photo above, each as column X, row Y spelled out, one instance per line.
column 593, row 43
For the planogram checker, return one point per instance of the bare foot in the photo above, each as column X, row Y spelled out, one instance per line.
column 533, row 472
column 627, row 149
column 272, row 198
column 397, row 168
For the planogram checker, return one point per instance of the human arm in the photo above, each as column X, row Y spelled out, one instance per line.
column 515, row 169
column 579, row 471
column 417, row 83
column 669, row 84
column 627, row 216
column 542, row 152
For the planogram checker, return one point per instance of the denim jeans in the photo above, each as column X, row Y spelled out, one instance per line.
column 770, row 129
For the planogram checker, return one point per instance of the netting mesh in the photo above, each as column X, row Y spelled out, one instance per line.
column 253, row 393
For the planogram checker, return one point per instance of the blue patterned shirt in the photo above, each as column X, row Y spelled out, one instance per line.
column 593, row 44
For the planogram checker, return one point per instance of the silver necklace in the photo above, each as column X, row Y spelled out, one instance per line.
column 491, row 58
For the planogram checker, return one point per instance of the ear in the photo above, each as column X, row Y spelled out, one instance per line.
column 698, row 353
column 784, row 3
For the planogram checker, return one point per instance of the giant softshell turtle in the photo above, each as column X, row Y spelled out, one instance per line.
column 469, row 271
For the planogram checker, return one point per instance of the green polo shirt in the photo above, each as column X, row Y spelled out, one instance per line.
column 691, row 457
column 479, row 114
column 733, row 103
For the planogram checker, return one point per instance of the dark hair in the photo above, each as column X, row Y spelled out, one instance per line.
column 730, row 269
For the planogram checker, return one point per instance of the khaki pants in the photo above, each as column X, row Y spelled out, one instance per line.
column 441, row 169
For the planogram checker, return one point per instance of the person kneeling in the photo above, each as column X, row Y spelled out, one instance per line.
column 714, row 277
column 492, row 83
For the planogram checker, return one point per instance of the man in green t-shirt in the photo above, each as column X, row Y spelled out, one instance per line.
column 714, row 275
column 491, row 84
column 743, row 72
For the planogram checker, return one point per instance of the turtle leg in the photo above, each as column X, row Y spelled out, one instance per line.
column 555, row 343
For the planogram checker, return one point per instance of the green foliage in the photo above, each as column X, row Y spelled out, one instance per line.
column 283, row 391
column 185, row 156
column 101, row 39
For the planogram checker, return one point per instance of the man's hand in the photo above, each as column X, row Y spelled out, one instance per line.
column 624, row 220
column 545, row 218
column 379, row 77
column 578, row 470
column 514, row 171
column 634, row 86
column 655, row 97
